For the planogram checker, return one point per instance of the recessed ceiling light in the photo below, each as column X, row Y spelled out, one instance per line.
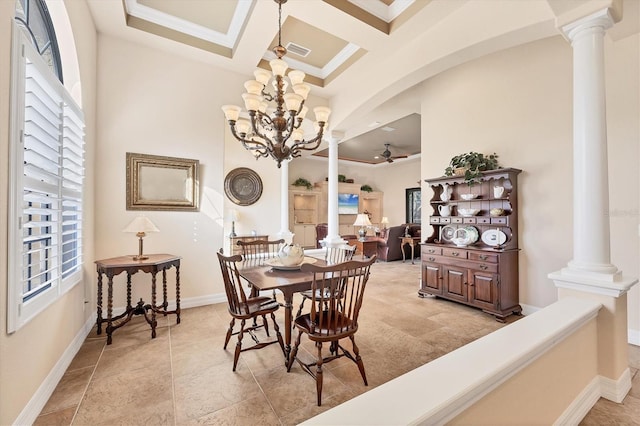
column 388, row 129
column 376, row 157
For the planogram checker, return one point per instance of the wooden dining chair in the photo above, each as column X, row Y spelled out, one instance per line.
column 332, row 256
column 243, row 308
column 260, row 250
column 334, row 315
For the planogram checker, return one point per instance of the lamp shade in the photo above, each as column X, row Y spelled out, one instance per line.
column 234, row 215
column 362, row 220
column 385, row 220
column 141, row 224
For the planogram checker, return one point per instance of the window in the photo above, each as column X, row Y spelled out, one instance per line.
column 413, row 203
column 46, row 171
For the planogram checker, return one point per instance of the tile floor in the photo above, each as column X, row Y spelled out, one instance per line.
column 184, row 376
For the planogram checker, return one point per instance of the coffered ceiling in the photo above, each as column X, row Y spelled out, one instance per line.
column 365, row 57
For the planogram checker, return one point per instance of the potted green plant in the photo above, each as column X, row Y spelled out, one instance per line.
column 342, row 178
column 471, row 165
column 303, row 182
column 366, row 188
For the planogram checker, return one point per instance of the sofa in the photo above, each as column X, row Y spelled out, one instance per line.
column 389, row 243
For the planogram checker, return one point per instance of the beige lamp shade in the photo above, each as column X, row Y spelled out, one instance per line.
column 234, row 215
column 362, row 220
column 385, row 220
column 141, row 224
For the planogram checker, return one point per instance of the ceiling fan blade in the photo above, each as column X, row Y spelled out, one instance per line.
column 389, row 160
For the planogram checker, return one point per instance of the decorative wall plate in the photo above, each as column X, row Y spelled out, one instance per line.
column 448, row 232
column 243, row 186
column 494, row 237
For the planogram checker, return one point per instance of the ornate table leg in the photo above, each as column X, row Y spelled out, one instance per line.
column 164, row 291
column 128, row 291
column 288, row 311
column 99, row 305
column 153, row 305
column 178, row 294
column 109, row 307
column 412, row 246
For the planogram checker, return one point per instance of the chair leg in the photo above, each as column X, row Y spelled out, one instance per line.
column 319, row 373
column 356, row 351
column 300, row 308
column 294, row 351
column 236, row 356
column 265, row 324
column 277, row 329
column 229, row 332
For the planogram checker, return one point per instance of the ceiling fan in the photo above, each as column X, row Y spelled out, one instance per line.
column 387, row 154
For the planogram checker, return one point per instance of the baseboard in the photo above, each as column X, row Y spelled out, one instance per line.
column 528, row 309
column 579, row 408
column 616, row 390
column 613, row 390
column 34, row 407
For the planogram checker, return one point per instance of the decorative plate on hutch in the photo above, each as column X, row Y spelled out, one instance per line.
column 243, row 186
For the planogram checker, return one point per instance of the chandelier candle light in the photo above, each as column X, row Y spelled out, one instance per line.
column 140, row 225
column 266, row 135
column 362, row 220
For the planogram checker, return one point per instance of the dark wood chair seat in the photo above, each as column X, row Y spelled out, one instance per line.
column 337, row 292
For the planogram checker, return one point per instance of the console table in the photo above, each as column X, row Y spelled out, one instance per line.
column 154, row 264
column 412, row 241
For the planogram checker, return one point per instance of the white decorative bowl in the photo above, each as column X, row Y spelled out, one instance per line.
column 468, row 197
column 468, row 212
column 291, row 255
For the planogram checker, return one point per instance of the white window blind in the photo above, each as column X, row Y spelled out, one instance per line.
column 46, row 177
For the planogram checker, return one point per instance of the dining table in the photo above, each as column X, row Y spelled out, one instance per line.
column 289, row 281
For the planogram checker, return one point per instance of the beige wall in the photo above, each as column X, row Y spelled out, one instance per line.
column 518, row 103
column 28, row 355
column 530, row 399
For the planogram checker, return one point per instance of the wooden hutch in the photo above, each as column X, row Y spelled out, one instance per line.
column 483, row 274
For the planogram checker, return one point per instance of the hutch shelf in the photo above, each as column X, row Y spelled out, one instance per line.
column 483, row 273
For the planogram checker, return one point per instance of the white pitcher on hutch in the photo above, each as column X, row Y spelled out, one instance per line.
column 446, row 192
column 444, row 210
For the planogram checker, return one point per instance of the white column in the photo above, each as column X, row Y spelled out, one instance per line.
column 590, row 274
column 333, row 232
column 284, row 203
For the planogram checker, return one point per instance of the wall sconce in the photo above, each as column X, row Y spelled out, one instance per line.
column 140, row 225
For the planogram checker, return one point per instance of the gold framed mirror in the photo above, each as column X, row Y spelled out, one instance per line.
column 162, row 183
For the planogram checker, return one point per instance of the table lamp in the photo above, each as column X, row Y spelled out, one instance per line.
column 384, row 222
column 362, row 220
column 140, row 225
column 233, row 216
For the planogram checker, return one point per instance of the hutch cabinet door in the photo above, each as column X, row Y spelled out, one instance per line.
column 483, row 290
column 455, row 282
column 431, row 278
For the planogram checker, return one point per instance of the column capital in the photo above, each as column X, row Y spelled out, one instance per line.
column 335, row 136
column 601, row 21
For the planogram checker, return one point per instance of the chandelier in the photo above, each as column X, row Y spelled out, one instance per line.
column 278, row 135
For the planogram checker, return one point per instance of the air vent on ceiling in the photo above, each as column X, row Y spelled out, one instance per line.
column 388, row 129
column 297, row 49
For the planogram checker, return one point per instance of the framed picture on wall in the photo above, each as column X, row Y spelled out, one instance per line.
column 161, row 183
column 413, row 203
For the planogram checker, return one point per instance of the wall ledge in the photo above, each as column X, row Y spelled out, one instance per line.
column 461, row 378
